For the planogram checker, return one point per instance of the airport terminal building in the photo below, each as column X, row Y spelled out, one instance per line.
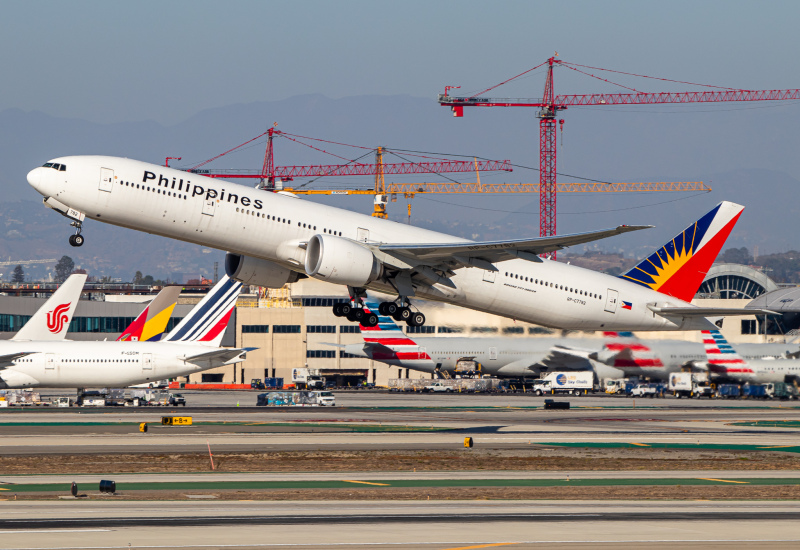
column 295, row 327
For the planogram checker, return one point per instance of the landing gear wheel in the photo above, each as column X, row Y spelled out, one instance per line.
column 337, row 309
column 388, row 309
column 370, row 320
column 352, row 316
column 416, row 319
column 402, row 314
column 345, row 309
column 76, row 240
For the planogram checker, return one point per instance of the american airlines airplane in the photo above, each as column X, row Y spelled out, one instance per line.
column 657, row 359
column 500, row 357
column 724, row 362
column 276, row 238
column 192, row 346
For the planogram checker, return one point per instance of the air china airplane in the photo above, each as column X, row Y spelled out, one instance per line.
column 656, row 359
column 276, row 238
column 501, row 357
column 51, row 322
column 192, row 346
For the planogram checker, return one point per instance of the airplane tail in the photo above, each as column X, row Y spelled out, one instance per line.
column 151, row 323
column 722, row 358
column 679, row 267
column 624, row 349
column 207, row 321
column 52, row 320
column 386, row 341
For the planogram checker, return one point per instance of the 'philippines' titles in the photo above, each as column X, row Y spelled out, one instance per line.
column 197, row 190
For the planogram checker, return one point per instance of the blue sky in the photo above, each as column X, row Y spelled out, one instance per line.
column 165, row 61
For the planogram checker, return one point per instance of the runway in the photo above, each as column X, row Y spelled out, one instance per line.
column 440, row 525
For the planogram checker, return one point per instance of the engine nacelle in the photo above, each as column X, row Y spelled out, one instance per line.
column 255, row 271
column 340, row 261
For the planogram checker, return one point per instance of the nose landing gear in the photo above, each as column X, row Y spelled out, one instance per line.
column 77, row 238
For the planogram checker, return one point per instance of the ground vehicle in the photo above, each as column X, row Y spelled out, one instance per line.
column 616, row 385
column 309, row 379
column 728, row 391
column 780, row 390
column 176, row 399
column 257, row 384
column 438, row 387
column 647, row 390
column 296, row 399
column 689, row 384
column 63, row 402
column 571, row 382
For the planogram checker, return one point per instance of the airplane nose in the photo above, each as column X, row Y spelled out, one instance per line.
column 35, row 178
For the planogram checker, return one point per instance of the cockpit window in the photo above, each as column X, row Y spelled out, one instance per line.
column 47, row 165
column 62, row 168
column 55, row 166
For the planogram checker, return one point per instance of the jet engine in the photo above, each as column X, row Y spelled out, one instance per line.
column 255, row 271
column 341, row 261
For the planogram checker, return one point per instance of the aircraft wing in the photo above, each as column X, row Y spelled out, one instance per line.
column 218, row 357
column 707, row 311
column 8, row 359
column 487, row 252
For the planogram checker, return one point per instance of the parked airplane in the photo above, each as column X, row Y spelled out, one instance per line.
column 656, row 359
column 501, row 357
column 151, row 323
column 276, row 238
column 192, row 346
column 723, row 362
column 51, row 322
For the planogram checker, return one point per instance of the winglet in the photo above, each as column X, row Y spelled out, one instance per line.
column 679, row 267
column 51, row 321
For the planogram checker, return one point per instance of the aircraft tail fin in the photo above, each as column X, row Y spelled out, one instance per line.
column 624, row 349
column 679, row 267
column 151, row 323
column 207, row 321
column 51, row 321
column 387, row 341
column 722, row 358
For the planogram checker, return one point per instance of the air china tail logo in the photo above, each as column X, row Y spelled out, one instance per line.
column 57, row 318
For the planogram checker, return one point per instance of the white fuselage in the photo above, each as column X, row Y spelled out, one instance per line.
column 97, row 364
column 275, row 227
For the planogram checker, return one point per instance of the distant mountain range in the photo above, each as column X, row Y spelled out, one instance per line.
column 747, row 155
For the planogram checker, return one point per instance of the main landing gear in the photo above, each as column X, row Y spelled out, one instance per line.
column 399, row 312
column 77, row 238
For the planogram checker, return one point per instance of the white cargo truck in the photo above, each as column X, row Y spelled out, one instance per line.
column 689, row 384
column 571, row 382
column 307, row 379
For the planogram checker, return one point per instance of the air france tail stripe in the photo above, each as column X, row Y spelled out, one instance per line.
column 204, row 317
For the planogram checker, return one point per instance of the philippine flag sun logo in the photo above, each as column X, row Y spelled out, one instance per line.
column 57, row 318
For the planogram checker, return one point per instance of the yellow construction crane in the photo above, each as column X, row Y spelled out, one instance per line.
column 383, row 190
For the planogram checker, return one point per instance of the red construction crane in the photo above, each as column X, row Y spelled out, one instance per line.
column 551, row 104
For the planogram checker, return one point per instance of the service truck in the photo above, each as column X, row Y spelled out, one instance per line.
column 307, row 379
column 690, row 384
column 296, row 399
column 578, row 382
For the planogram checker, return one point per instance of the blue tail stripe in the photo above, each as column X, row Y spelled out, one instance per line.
column 211, row 307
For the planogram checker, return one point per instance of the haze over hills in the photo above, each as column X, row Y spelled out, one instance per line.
column 745, row 154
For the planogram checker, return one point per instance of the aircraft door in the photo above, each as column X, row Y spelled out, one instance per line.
column 106, row 179
column 363, row 235
column 493, row 353
column 147, row 361
column 611, row 301
column 209, row 206
column 49, row 361
column 488, row 276
column 421, row 352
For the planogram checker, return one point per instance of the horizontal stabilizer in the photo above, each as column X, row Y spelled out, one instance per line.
column 219, row 357
column 707, row 311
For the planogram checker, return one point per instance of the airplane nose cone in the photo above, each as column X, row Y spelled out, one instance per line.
column 35, row 178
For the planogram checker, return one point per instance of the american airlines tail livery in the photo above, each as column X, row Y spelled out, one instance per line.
column 191, row 347
column 275, row 238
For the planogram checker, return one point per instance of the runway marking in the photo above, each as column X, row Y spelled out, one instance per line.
column 483, row 546
column 722, row 480
column 640, row 444
column 778, row 447
column 366, row 482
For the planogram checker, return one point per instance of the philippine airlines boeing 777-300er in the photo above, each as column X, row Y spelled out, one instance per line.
column 275, row 238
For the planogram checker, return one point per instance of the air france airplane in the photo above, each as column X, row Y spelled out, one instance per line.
column 192, row 346
column 275, row 238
